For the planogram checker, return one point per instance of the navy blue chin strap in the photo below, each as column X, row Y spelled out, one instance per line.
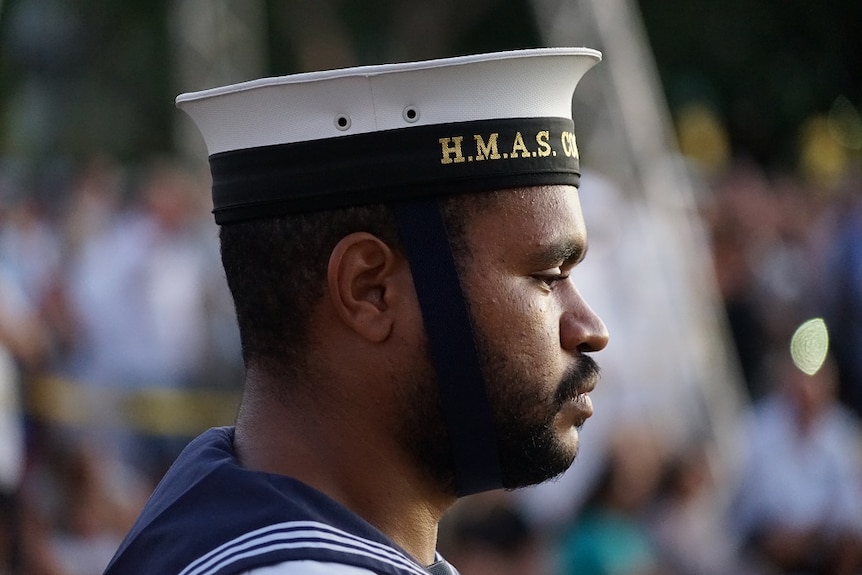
column 466, row 409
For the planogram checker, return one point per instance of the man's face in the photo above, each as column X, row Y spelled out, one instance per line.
column 532, row 329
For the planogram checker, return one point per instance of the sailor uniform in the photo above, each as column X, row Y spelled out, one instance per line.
column 211, row 516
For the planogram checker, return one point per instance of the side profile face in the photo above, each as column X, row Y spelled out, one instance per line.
column 532, row 328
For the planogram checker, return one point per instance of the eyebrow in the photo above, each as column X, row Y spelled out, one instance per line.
column 571, row 251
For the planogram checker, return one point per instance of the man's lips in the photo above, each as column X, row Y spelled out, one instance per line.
column 579, row 382
column 588, row 386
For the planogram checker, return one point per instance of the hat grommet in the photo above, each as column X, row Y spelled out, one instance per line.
column 342, row 122
column 410, row 114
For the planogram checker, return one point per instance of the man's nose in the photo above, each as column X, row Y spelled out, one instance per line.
column 582, row 329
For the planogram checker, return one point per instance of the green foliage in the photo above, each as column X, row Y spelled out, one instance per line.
column 79, row 77
column 765, row 66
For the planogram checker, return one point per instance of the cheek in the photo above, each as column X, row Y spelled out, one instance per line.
column 525, row 328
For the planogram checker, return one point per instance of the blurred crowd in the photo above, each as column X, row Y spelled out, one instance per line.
column 786, row 248
column 118, row 344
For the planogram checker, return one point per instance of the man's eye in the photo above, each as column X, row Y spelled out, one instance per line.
column 550, row 280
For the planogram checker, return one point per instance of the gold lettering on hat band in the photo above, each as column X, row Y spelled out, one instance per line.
column 488, row 150
column 449, row 149
column 544, row 147
column 570, row 148
column 487, row 147
column 519, row 146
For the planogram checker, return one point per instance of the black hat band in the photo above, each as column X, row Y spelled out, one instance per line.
column 393, row 165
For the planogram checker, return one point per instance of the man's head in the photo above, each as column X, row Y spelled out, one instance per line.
column 515, row 251
column 415, row 226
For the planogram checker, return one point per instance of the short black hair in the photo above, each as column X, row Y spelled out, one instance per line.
column 276, row 268
column 276, row 272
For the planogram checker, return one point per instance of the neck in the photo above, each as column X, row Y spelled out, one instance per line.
column 348, row 458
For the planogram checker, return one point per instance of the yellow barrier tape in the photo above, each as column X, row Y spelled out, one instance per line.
column 153, row 411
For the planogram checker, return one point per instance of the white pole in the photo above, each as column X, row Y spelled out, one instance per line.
column 215, row 42
column 665, row 315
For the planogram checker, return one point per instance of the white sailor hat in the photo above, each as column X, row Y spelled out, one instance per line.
column 393, row 132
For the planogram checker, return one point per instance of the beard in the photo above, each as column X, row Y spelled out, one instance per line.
column 524, row 417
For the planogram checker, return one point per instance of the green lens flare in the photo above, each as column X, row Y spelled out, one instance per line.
column 809, row 345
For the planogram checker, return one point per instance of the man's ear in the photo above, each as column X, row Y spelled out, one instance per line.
column 365, row 279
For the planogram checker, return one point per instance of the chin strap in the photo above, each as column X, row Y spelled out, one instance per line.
column 466, row 409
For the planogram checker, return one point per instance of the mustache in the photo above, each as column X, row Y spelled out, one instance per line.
column 581, row 378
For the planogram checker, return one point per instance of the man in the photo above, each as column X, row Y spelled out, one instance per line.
column 798, row 506
column 399, row 241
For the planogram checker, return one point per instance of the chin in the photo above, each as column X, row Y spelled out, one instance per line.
column 535, row 451
column 569, row 451
column 539, row 465
column 568, row 434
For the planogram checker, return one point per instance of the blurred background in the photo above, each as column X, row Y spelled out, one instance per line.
column 721, row 145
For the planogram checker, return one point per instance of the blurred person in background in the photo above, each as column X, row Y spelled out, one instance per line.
column 78, row 502
column 489, row 535
column 26, row 263
column 799, row 500
column 842, row 286
column 610, row 535
column 739, row 215
column 93, row 199
column 137, row 288
column 143, row 303
column 29, row 248
column 29, row 264
column 761, row 229
column 12, row 451
column 688, row 519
